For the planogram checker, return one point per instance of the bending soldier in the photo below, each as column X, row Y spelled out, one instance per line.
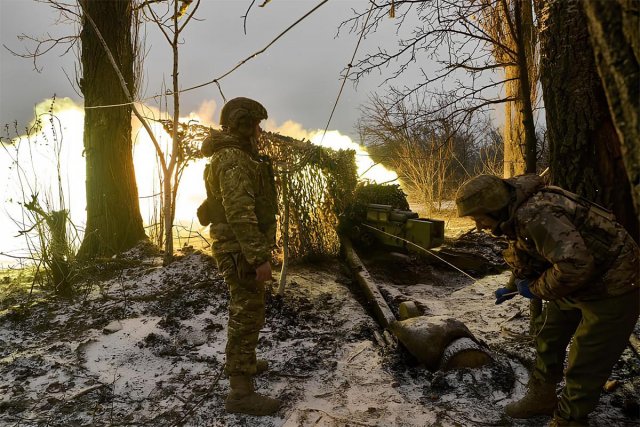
column 241, row 207
column 573, row 254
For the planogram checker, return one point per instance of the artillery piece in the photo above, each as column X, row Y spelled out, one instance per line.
column 380, row 215
column 437, row 342
column 397, row 229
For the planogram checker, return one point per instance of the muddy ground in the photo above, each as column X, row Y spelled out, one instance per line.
column 144, row 346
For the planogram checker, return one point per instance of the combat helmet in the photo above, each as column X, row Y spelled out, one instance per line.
column 241, row 112
column 481, row 195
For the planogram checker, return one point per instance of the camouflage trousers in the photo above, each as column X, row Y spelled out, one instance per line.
column 600, row 330
column 246, row 313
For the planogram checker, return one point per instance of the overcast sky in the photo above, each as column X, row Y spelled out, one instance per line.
column 297, row 79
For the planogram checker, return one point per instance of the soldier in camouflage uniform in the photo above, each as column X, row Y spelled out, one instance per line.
column 573, row 254
column 241, row 207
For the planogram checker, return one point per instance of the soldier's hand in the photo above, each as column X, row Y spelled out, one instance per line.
column 504, row 294
column 263, row 272
column 523, row 288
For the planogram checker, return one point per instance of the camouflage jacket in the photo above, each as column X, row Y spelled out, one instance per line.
column 567, row 245
column 242, row 198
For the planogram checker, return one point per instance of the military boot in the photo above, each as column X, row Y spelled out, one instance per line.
column 262, row 366
column 540, row 399
column 243, row 399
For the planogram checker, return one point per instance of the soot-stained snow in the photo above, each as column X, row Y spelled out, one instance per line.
column 144, row 345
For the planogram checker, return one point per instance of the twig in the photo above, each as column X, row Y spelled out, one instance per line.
column 302, row 376
column 516, row 336
column 349, row 421
column 356, row 355
column 515, row 316
column 245, row 16
column 86, row 391
column 199, row 402
column 285, row 235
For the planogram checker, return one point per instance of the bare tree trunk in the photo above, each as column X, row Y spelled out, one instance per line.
column 114, row 222
column 510, row 23
column 524, row 41
column 285, row 234
column 514, row 163
column 614, row 30
column 585, row 149
column 169, row 206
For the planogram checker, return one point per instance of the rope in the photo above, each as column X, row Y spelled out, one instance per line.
column 349, row 66
column 424, row 249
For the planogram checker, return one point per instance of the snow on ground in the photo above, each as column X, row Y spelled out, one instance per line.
column 144, row 346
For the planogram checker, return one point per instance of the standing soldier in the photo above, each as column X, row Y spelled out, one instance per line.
column 241, row 207
column 571, row 253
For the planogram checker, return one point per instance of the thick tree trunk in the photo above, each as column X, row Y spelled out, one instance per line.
column 114, row 222
column 585, row 149
column 518, row 33
column 524, row 42
column 514, row 163
column 614, row 29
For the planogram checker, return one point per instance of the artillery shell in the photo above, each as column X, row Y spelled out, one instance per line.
column 408, row 309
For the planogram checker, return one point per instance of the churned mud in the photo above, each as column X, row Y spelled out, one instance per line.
column 144, row 345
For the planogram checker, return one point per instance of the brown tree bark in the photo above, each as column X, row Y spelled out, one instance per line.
column 614, row 30
column 523, row 22
column 114, row 222
column 514, row 163
column 585, row 149
column 510, row 24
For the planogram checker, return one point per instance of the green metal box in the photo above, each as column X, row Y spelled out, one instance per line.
column 395, row 228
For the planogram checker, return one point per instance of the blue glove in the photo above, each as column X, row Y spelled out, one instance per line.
column 503, row 294
column 523, row 288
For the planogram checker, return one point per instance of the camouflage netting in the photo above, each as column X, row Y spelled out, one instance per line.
column 190, row 137
column 366, row 193
column 319, row 184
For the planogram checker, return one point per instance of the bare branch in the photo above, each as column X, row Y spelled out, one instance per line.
column 468, row 41
column 147, row 3
column 245, row 16
column 189, row 16
column 43, row 46
column 244, row 61
column 346, row 75
column 165, row 29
